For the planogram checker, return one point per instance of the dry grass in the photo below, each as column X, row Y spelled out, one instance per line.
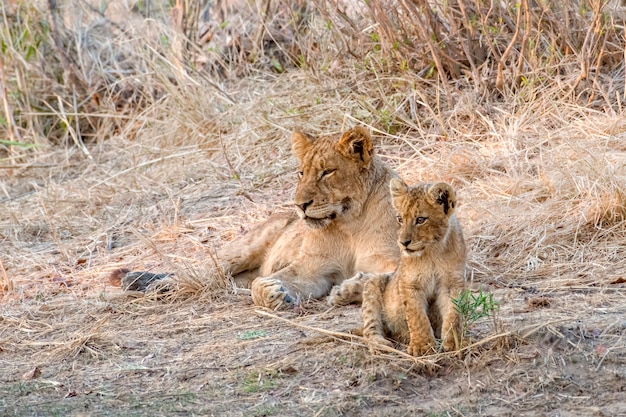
column 159, row 151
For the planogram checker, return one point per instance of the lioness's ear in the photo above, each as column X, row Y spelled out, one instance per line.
column 299, row 143
column 443, row 194
column 397, row 187
column 356, row 143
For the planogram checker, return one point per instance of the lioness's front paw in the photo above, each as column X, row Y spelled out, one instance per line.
column 271, row 293
column 421, row 347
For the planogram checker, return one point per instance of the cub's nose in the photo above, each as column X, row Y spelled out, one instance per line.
column 406, row 243
column 303, row 206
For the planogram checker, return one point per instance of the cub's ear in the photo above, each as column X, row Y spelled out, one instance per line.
column 356, row 143
column 299, row 143
column 443, row 194
column 397, row 187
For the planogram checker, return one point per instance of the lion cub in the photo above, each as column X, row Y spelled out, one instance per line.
column 413, row 305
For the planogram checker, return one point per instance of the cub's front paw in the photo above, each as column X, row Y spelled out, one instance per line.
column 337, row 296
column 348, row 292
column 375, row 341
column 452, row 343
column 271, row 293
column 421, row 347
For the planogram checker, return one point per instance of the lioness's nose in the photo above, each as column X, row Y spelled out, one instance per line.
column 303, row 206
column 406, row 243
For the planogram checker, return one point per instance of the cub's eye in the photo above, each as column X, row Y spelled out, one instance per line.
column 421, row 220
column 327, row 172
column 399, row 219
column 300, row 174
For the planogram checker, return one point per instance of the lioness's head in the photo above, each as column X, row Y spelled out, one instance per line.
column 424, row 211
column 332, row 180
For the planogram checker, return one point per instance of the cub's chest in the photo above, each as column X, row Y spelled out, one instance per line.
column 419, row 273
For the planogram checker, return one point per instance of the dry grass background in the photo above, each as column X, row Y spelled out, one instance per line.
column 125, row 146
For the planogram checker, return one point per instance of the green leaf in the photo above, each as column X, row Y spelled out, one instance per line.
column 18, row 144
column 30, row 51
column 252, row 334
column 277, row 65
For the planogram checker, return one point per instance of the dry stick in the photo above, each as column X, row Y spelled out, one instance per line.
column 347, row 336
column 8, row 283
column 507, row 51
column 13, row 132
column 523, row 333
column 465, row 45
column 63, row 116
column 143, row 164
column 177, row 13
column 624, row 38
column 520, row 58
column 258, row 37
column 584, row 64
column 416, row 13
column 484, row 18
column 68, row 71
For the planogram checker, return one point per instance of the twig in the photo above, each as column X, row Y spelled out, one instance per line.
column 424, row 360
column 75, row 135
column 8, row 283
column 353, row 338
column 523, row 332
column 507, row 51
column 143, row 164
column 13, row 132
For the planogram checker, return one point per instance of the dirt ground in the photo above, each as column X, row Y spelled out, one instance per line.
column 110, row 355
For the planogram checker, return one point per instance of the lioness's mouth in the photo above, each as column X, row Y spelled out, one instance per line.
column 331, row 216
column 414, row 251
column 318, row 223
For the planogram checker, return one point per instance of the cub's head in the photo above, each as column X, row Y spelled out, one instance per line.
column 424, row 211
column 333, row 175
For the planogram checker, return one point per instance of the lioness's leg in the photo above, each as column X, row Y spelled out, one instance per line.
column 292, row 284
column 248, row 253
column 422, row 340
column 372, row 309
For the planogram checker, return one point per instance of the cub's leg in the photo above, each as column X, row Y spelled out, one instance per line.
column 451, row 326
column 422, row 339
column 350, row 291
column 373, row 309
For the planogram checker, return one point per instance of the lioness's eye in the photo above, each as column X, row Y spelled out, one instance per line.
column 399, row 219
column 327, row 172
column 300, row 174
column 421, row 220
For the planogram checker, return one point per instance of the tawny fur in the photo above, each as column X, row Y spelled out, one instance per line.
column 413, row 305
column 344, row 224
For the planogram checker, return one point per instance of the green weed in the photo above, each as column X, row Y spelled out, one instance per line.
column 473, row 307
column 252, row 334
column 260, row 381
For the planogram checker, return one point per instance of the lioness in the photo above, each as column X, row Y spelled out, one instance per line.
column 413, row 305
column 344, row 224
